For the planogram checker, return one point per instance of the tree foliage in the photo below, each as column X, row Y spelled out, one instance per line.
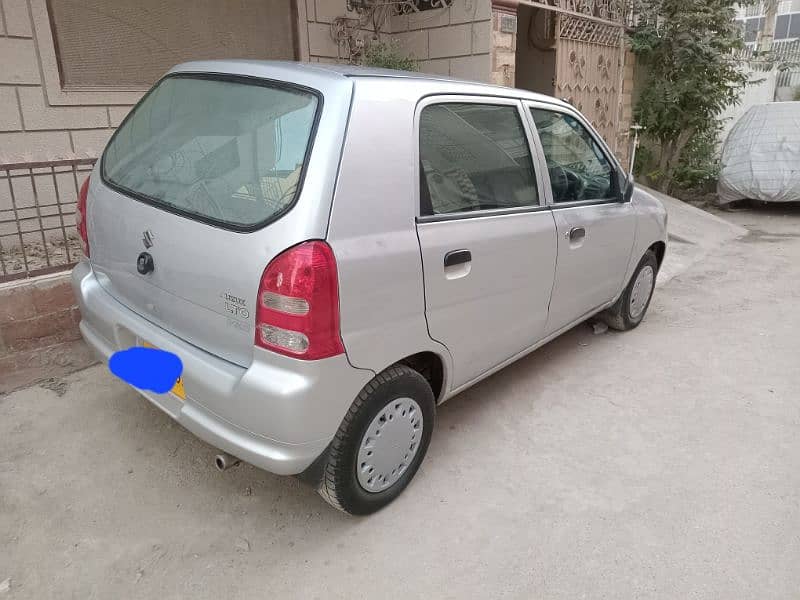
column 686, row 47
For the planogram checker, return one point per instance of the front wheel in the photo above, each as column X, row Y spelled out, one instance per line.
column 632, row 305
column 380, row 443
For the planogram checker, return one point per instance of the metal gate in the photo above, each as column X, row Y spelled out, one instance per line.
column 589, row 56
column 587, row 37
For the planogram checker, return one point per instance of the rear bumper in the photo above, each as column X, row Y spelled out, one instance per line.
column 278, row 414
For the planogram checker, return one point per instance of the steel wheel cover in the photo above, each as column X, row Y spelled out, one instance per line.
column 389, row 445
column 642, row 288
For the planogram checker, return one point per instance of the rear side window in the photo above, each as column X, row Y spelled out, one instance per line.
column 474, row 157
column 230, row 152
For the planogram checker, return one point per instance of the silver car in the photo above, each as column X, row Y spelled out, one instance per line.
column 332, row 251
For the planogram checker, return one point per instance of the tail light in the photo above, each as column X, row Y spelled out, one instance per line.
column 297, row 312
column 80, row 217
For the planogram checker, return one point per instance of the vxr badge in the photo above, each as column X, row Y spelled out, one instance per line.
column 147, row 238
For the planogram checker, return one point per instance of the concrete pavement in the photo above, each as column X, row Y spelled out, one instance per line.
column 693, row 234
column 660, row 463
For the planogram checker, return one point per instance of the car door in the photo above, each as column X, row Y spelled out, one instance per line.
column 487, row 239
column 595, row 225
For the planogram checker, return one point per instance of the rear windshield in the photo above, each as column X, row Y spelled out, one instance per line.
column 229, row 152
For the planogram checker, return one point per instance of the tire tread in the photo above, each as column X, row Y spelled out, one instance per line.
column 330, row 482
column 616, row 317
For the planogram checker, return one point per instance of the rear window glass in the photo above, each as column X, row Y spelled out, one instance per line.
column 223, row 151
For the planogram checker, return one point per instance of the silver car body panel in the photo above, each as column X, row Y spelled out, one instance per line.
column 496, row 305
column 381, row 289
column 361, row 194
column 651, row 227
column 278, row 414
column 381, row 292
column 492, row 307
column 200, row 266
column 591, row 270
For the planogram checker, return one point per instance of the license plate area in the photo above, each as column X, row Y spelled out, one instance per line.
column 177, row 389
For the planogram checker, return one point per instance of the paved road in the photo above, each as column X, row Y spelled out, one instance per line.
column 661, row 463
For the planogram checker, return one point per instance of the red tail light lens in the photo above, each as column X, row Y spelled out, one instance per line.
column 80, row 217
column 298, row 303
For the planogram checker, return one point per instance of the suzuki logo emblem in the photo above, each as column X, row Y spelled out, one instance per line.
column 147, row 238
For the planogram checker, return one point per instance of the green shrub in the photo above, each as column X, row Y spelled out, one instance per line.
column 698, row 167
column 686, row 47
column 387, row 55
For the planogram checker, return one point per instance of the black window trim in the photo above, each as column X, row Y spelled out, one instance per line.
column 485, row 100
column 606, row 151
column 232, row 78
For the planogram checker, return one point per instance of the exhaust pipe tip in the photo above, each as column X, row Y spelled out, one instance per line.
column 224, row 461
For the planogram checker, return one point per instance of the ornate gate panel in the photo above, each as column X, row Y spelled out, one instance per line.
column 588, row 70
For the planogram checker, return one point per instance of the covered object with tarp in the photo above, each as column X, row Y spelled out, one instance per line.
column 761, row 157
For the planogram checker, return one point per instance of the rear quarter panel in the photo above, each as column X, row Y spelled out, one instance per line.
column 372, row 230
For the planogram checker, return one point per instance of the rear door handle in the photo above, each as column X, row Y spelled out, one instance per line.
column 576, row 233
column 457, row 257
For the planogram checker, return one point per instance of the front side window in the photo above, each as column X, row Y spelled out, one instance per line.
column 474, row 157
column 578, row 168
column 224, row 151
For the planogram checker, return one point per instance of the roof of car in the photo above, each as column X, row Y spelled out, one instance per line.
column 339, row 71
column 358, row 71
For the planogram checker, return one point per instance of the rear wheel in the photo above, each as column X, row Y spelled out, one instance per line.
column 380, row 443
column 632, row 305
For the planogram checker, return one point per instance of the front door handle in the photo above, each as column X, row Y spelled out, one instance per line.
column 575, row 234
column 457, row 257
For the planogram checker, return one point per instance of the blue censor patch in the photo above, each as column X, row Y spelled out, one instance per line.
column 146, row 368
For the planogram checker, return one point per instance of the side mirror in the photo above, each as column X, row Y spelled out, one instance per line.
column 627, row 193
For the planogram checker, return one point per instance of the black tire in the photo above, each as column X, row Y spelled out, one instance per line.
column 339, row 484
column 619, row 316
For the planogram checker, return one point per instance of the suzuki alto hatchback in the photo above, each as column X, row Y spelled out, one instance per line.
column 331, row 252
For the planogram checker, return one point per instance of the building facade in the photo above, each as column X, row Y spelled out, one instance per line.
column 784, row 82
column 70, row 71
